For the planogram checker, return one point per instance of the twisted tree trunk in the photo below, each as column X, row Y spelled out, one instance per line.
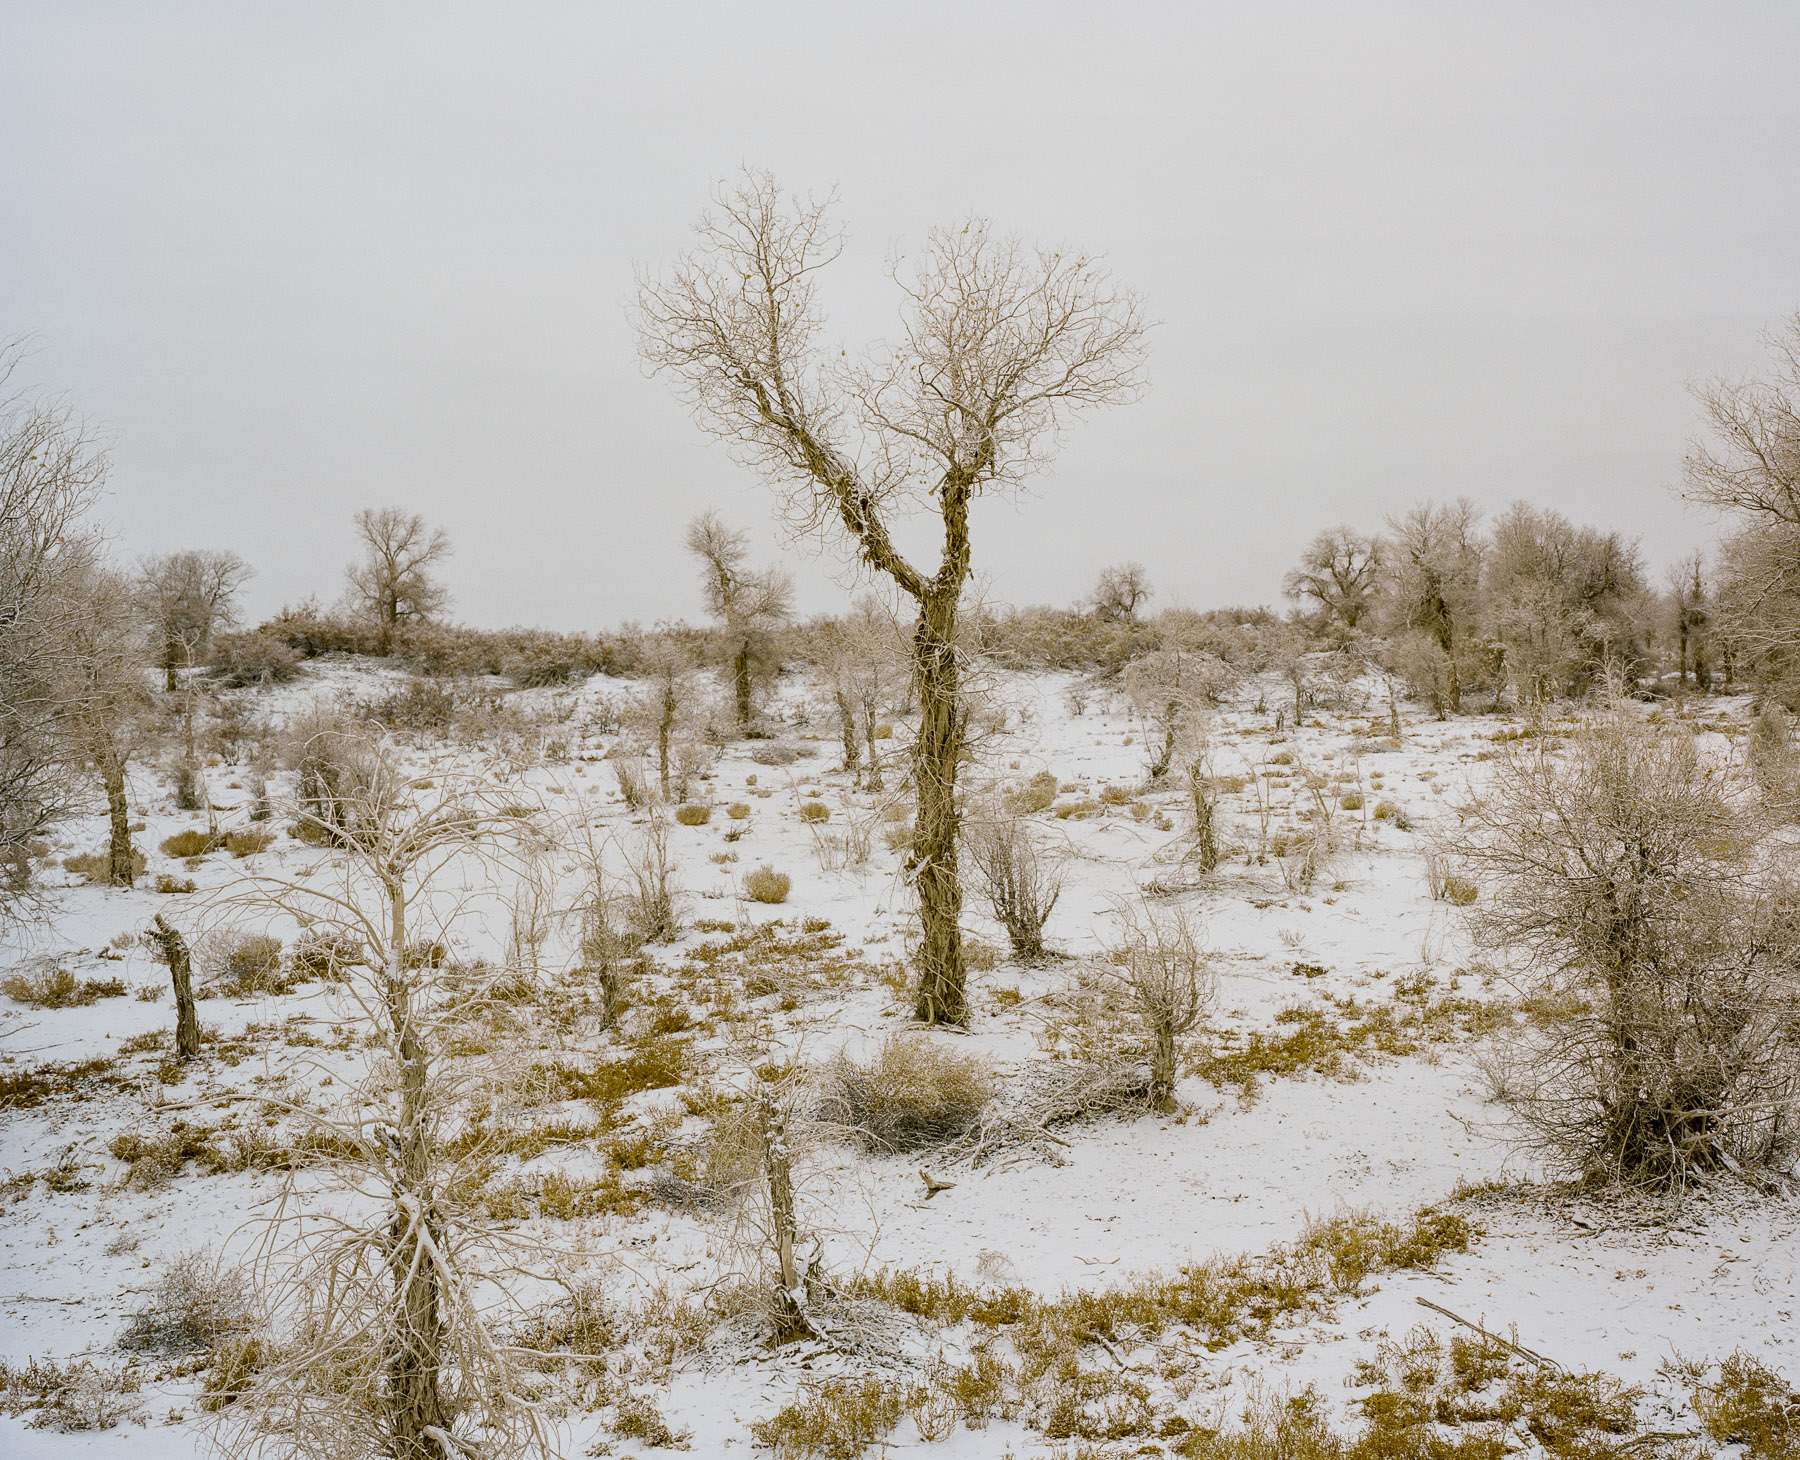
column 937, row 754
column 174, row 950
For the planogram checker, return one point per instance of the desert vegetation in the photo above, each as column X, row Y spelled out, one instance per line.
column 1116, row 1029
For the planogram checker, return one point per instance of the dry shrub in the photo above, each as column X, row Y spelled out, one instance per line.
column 636, row 1417
column 1751, row 1405
column 244, row 963
column 693, row 815
column 1625, row 878
column 737, row 811
column 340, row 776
column 96, row 867
column 1159, row 959
column 765, row 884
column 69, row 1398
column 1034, row 796
column 326, row 955
column 191, row 843
column 1020, row 888
column 195, row 1305
column 172, row 885
column 57, row 988
column 248, row 841
column 652, row 899
column 832, row 1419
column 909, row 1095
column 814, row 811
column 240, row 661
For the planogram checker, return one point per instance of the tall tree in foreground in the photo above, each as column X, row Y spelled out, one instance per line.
column 749, row 603
column 186, row 598
column 393, row 584
column 51, row 471
column 999, row 344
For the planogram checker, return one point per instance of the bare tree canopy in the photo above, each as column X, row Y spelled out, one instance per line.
column 186, row 598
column 392, row 584
column 1121, row 591
column 1338, row 573
column 52, row 469
column 999, row 346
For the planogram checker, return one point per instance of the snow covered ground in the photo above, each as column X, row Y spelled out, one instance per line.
column 1232, row 1171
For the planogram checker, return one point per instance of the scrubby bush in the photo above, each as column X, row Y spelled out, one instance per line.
column 1159, row 959
column 248, row 841
column 97, row 866
column 910, row 1094
column 1751, row 1405
column 1624, row 877
column 240, row 661
column 244, row 963
column 167, row 884
column 194, row 1305
column 693, row 815
column 1020, row 887
column 419, row 706
column 765, row 884
column 340, row 777
column 57, row 988
column 738, row 811
column 325, row 955
column 191, row 843
column 814, row 811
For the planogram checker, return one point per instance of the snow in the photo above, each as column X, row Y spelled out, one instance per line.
column 1225, row 1174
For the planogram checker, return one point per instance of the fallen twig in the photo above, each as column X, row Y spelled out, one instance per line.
column 1521, row 1351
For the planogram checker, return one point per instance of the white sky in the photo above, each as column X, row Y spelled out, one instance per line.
column 306, row 258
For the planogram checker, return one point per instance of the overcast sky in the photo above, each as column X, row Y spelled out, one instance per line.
column 304, row 258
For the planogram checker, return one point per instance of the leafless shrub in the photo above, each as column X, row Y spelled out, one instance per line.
column 243, row 963
column 1625, row 876
column 1159, row 959
column 195, row 1305
column 653, row 898
column 338, row 775
column 1019, row 885
column 1020, row 1123
column 634, row 783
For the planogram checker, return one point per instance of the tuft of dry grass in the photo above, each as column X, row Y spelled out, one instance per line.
column 59, row 989
column 814, row 811
column 693, row 815
column 765, row 884
column 910, row 1094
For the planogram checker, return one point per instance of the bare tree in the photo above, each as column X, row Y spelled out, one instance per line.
column 393, row 584
column 1159, row 958
column 1749, row 471
column 1691, row 609
column 173, row 950
column 1120, row 592
column 999, row 344
column 386, row 1295
column 1339, row 573
column 1562, row 603
column 1432, row 565
column 748, row 603
column 104, row 701
column 1021, row 887
column 52, row 468
column 1624, row 875
column 186, row 598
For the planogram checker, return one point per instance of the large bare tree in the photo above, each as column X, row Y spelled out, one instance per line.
column 186, row 598
column 52, row 468
column 393, row 584
column 749, row 603
column 1748, row 469
column 1339, row 572
column 998, row 345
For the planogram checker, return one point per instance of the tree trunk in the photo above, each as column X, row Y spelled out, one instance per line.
column 665, row 732
column 740, row 678
column 847, row 732
column 415, row 1396
column 1162, row 1068
column 872, row 780
column 791, row 1321
column 936, row 758
column 170, row 683
column 174, row 951
column 119, row 869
